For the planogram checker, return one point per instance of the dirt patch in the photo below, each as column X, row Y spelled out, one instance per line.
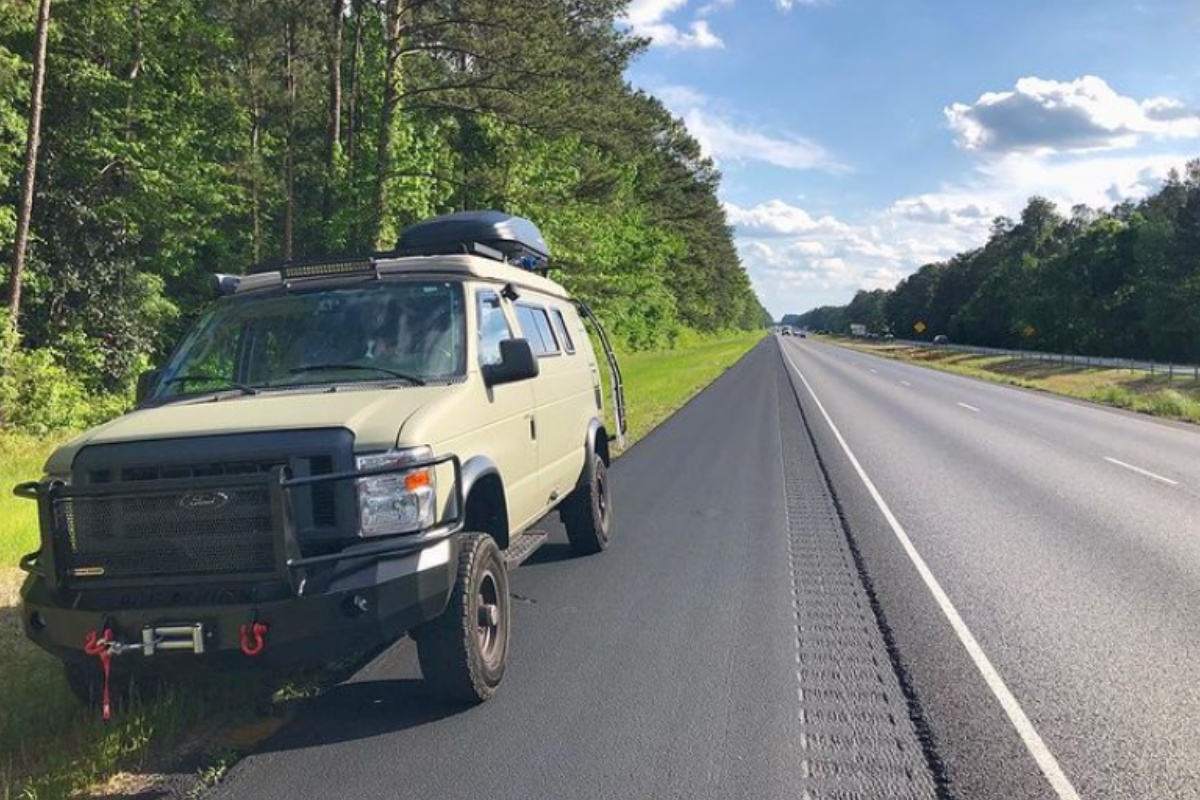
column 10, row 586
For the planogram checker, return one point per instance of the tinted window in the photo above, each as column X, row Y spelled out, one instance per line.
column 564, row 335
column 324, row 336
column 493, row 328
column 535, row 326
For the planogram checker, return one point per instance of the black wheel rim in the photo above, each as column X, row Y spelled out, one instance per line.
column 489, row 623
column 602, row 495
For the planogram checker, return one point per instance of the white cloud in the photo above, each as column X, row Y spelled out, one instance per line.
column 648, row 18
column 713, row 6
column 777, row 218
column 790, row 252
column 727, row 139
column 1046, row 116
column 798, row 259
column 788, row 5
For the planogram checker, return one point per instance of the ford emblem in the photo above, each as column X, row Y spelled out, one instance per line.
column 203, row 501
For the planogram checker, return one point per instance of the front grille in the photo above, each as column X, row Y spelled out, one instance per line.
column 316, row 504
column 181, row 530
column 123, row 514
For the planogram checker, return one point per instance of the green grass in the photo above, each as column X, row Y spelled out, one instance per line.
column 50, row 747
column 658, row 383
column 21, row 459
column 1176, row 397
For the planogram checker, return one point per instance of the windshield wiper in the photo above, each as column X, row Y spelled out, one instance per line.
column 242, row 387
column 334, row 367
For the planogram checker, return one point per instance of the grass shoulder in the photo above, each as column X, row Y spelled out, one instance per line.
column 657, row 383
column 1176, row 397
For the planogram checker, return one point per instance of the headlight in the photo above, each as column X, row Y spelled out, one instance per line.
column 398, row 502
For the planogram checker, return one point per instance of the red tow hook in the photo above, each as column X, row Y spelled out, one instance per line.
column 102, row 649
column 253, row 638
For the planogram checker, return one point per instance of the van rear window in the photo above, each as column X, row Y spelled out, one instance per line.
column 535, row 325
column 564, row 335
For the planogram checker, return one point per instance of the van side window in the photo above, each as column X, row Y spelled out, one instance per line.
column 493, row 327
column 564, row 335
column 535, row 325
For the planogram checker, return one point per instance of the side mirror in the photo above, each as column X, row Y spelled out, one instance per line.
column 517, row 363
column 145, row 384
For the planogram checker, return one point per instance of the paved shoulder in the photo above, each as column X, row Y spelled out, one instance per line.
column 722, row 648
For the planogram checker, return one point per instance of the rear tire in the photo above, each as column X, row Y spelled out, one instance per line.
column 587, row 511
column 463, row 652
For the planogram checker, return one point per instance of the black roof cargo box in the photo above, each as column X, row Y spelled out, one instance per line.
column 516, row 239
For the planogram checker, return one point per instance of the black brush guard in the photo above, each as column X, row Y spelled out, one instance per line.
column 278, row 554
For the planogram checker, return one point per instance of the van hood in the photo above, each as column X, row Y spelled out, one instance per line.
column 375, row 417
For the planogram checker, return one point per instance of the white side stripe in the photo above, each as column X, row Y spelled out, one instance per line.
column 1141, row 471
column 1016, row 715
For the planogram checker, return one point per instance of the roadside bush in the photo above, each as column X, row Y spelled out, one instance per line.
column 39, row 396
column 1114, row 396
column 1170, row 403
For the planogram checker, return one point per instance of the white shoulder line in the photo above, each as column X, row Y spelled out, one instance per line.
column 1141, row 471
column 1016, row 715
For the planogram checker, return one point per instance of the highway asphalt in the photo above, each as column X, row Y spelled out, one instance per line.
column 834, row 576
column 722, row 648
column 1066, row 537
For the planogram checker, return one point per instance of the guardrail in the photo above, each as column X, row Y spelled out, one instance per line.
column 1132, row 364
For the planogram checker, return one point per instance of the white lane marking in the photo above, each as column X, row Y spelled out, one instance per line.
column 874, row 370
column 969, row 408
column 1141, row 471
column 1033, row 741
column 905, row 383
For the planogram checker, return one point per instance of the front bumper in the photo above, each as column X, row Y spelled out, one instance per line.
column 361, row 608
column 319, row 607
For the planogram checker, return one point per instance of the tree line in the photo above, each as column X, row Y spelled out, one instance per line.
column 185, row 137
column 1121, row 282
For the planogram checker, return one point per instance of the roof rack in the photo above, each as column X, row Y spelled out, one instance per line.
column 318, row 266
column 491, row 234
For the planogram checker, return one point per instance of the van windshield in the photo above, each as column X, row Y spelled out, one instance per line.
column 411, row 332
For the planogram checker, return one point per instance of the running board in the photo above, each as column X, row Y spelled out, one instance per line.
column 525, row 546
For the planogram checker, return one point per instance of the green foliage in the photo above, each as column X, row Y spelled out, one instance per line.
column 40, row 395
column 1120, row 282
column 186, row 137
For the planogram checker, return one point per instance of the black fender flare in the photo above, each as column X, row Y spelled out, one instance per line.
column 476, row 468
column 597, row 440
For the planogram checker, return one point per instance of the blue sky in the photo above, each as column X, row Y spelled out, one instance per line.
column 860, row 139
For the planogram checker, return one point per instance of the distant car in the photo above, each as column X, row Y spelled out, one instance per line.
column 802, row 335
column 941, row 338
column 887, row 337
column 786, row 332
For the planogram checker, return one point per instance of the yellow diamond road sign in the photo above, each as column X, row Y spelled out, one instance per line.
column 1029, row 331
column 919, row 327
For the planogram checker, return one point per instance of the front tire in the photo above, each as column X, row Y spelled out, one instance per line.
column 587, row 511
column 463, row 653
